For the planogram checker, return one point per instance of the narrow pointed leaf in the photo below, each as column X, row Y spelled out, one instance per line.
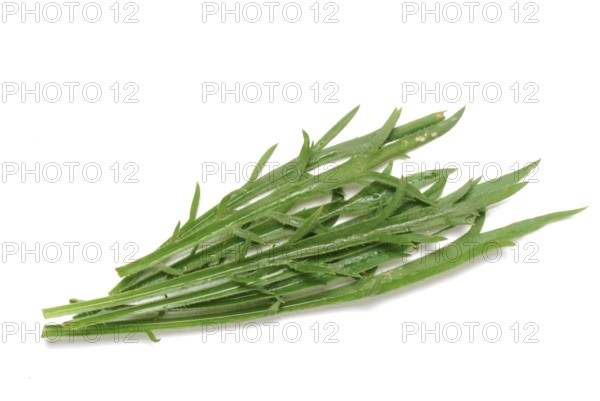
column 335, row 130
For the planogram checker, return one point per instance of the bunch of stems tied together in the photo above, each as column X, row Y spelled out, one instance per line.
column 303, row 236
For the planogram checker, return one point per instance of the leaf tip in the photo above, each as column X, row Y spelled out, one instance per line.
column 576, row 211
column 152, row 337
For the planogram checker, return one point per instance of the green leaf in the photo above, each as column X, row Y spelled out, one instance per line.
column 176, row 232
column 397, row 182
column 321, row 268
column 152, row 337
column 170, row 270
column 417, row 125
column 381, row 136
column 426, row 135
column 248, row 235
column 394, row 202
column 408, row 239
column 306, row 227
column 458, row 194
column 335, row 130
column 299, row 168
column 503, row 181
column 195, row 204
column 261, row 163
column 222, row 207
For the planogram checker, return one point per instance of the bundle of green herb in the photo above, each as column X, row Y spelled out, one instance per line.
column 259, row 252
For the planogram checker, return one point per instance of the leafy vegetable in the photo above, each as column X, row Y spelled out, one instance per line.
column 257, row 253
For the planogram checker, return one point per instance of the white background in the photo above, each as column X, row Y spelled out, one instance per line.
column 171, row 132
